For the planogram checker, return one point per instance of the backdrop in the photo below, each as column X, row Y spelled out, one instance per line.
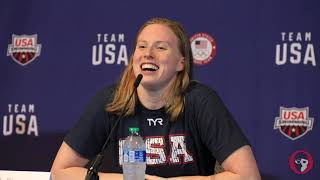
column 262, row 57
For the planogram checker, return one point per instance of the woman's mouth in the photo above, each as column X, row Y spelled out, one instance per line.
column 149, row 67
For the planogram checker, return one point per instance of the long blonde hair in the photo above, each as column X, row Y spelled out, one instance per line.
column 175, row 100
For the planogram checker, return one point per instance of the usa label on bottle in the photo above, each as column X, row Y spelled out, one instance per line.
column 134, row 156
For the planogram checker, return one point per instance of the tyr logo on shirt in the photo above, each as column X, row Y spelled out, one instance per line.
column 156, row 150
column 153, row 122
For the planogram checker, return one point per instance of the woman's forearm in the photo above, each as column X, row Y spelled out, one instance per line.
column 79, row 173
column 220, row 176
column 223, row 175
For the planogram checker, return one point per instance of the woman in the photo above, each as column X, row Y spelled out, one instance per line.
column 185, row 125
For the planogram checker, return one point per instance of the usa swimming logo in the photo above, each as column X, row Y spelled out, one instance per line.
column 294, row 122
column 203, row 48
column 24, row 48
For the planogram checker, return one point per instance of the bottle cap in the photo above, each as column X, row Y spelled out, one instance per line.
column 134, row 130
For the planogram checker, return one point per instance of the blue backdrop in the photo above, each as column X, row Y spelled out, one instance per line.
column 261, row 56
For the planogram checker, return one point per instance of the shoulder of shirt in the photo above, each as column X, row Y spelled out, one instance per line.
column 199, row 90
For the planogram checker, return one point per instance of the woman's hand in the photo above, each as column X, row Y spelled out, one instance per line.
column 149, row 177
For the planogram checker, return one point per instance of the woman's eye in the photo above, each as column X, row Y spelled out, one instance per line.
column 141, row 46
column 162, row 47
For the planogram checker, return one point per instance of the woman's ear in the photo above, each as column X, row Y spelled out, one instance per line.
column 180, row 65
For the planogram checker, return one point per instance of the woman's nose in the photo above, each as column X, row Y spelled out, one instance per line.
column 148, row 53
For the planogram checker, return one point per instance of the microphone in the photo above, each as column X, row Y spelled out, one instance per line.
column 137, row 81
column 92, row 173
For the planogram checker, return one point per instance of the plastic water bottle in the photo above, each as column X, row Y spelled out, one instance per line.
column 134, row 156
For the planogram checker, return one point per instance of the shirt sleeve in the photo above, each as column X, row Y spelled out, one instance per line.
column 88, row 135
column 217, row 128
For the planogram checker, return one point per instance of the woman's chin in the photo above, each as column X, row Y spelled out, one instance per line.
column 149, row 84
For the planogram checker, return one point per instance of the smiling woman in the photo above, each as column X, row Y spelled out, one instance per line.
column 157, row 49
column 185, row 124
column 163, row 44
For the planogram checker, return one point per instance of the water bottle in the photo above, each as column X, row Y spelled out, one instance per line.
column 134, row 156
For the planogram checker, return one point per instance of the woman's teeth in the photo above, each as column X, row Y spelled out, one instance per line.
column 149, row 67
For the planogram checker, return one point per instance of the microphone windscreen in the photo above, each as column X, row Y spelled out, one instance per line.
column 138, row 80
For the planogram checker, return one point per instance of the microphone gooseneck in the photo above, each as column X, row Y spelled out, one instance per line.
column 92, row 173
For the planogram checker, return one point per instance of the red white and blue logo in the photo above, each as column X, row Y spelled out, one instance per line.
column 24, row 48
column 203, row 48
column 301, row 162
column 294, row 122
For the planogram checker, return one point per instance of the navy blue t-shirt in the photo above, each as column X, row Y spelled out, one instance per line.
column 205, row 132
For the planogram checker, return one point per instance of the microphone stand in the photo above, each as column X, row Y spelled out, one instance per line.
column 92, row 173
